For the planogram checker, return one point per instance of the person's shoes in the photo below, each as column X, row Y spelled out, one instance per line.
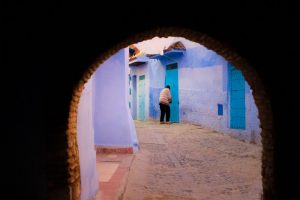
column 168, row 123
column 162, row 122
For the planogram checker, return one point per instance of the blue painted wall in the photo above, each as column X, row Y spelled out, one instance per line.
column 113, row 122
column 157, row 76
column 203, row 84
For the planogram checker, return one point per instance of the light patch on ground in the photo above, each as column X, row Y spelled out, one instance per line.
column 112, row 156
column 106, row 170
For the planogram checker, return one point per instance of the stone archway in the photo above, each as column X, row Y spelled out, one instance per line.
column 259, row 93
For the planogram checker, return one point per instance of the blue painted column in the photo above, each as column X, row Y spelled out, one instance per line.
column 113, row 122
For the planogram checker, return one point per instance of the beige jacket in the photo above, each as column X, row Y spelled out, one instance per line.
column 165, row 96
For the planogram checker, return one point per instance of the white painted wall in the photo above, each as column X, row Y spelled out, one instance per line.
column 85, row 138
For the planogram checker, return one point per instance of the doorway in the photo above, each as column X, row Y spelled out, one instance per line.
column 133, row 106
column 237, row 98
column 171, row 79
column 141, row 91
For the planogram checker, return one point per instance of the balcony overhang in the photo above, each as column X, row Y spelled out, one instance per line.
column 138, row 61
column 174, row 52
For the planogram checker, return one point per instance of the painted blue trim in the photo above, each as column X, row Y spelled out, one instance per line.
column 134, row 97
column 174, row 53
column 220, row 109
column 155, row 56
column 237, row 98
column 171, row 78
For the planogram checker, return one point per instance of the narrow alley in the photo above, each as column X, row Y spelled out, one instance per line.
column 189, row 162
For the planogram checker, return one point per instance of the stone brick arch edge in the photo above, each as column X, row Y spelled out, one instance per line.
column 259, row 93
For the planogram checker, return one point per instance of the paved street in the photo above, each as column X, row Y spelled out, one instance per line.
column 188, row 162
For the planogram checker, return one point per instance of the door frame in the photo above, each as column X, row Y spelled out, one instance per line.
column 139, row 93
column 230, row 69
column 170, row 64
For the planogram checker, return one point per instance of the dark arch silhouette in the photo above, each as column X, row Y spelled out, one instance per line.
column 260, row 96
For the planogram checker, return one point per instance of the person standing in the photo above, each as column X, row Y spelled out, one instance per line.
column 165, row 99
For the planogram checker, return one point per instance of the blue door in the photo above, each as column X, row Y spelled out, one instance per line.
column 172, row 80
column 237, row 98
column 141, row 90
column 133, row 106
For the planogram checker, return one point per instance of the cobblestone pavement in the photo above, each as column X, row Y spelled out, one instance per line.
column 188, row 162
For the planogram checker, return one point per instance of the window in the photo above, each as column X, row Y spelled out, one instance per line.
column 220, row 109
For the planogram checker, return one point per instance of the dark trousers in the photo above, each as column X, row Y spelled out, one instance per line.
column 164, row 110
